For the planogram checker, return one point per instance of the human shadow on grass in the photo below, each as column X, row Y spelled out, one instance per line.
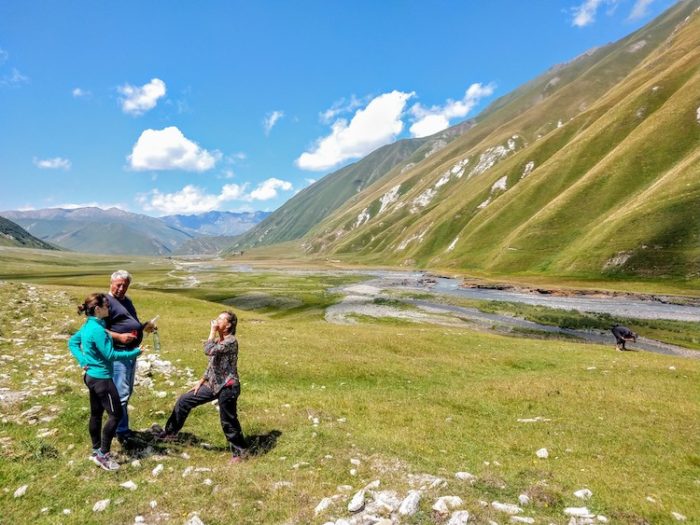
column 258, row 444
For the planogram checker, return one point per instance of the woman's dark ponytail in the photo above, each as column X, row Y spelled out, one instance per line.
column 92, row 301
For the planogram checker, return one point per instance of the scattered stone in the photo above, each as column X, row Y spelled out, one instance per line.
column 524, row 499
column 583, row 494
column 459, row 517
column 100, row 505
column 324, row 504
column 508, row 508
column 193, row 519
column 208, row 482
column 409, row 506
column 355, row 461
column 373, row 485
column 353, row 472
column 281, row 485
column 66, row 511
column 650, row 499
column 386, row 502
column 130, row 485
column 21, row 491
column 157, row 470
column 139, row 519
column 444, row 504
column 542, row 453
column 357, row 503
column 536, row 419
column 578, row 512
column 678, row 517
column 521, row 519
column 344, row 488
column 153, row 504
column 136, row 463
column 466, row 476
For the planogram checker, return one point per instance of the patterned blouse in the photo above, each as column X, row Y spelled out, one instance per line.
column 223, row 363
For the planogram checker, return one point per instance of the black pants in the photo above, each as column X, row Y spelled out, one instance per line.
column 620, row 334
column 103, row 397
column 228, row 400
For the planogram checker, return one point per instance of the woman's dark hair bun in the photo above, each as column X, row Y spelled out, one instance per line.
column 91, row 302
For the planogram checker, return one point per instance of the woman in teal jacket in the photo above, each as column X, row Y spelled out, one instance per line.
column 92, row 347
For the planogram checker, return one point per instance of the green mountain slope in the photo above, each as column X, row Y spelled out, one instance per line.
column 11, row 234
column 591, row 168
column 306, row 209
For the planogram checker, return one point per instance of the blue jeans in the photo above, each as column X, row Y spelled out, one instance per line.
column 124, row 374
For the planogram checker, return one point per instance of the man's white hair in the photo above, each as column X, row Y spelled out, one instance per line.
column 121, row 274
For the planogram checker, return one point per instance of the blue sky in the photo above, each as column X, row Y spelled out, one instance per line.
column 186, row 107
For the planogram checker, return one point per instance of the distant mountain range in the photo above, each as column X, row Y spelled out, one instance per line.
column 216, row 223
column 592, row 168
column 11, row 234
column 115, row 231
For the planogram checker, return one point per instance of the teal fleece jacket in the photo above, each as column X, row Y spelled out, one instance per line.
column 93, row 348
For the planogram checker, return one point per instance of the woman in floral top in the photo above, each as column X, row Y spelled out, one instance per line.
column 220, row 381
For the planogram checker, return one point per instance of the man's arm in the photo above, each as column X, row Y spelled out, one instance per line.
column 124, row 339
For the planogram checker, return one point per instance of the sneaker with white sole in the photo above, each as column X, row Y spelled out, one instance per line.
column 105, row 461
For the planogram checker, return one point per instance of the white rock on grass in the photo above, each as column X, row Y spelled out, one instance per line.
column 678, row 517
column 578, row 512
column 323, row 506
column 153, row 504
column 466, row 476
column 409, row 506
column 21, row 491
column 521, row 519
column 583, row 494
column 542, row 453
column 355, row 461
column 386, row 501
column 139, row 519
column 194, row 519
column 100, row 505
column 157, row 470
column 344, row 488
column 459, row 517
column 524, row 499
column 67, row 511
column 508, row 508
column 444, row 504
column 130, row 485
column 357, row 503
column 373, row 485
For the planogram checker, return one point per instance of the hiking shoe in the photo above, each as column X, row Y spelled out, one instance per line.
column 105, row 461
column 94, row 452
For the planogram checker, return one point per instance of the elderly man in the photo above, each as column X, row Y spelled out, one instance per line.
column 127, row 332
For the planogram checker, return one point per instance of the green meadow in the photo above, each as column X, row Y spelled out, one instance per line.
column 333, row 408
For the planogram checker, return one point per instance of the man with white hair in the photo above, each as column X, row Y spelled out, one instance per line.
column 127, row 333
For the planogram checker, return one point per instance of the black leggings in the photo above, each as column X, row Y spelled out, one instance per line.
column 103, row 397
column 228, row 399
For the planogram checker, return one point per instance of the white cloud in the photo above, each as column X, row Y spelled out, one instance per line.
column 56, row 163
column 138, row 100
column 640, row 9
column 434, row 119
column 193, row 199
column 268, row 189
column 585, row 13
column 79, row 93
column 376, row 125
column 271, row 119
column 15, row 78
column 169, row 149
column 341, row 106
column 103, row 206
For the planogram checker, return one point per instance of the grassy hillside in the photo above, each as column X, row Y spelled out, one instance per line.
column 309, row 207
column 590, row 170
column 12, row 234
column 339, row 407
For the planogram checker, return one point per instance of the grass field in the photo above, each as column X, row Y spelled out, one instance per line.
column 339, row 407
